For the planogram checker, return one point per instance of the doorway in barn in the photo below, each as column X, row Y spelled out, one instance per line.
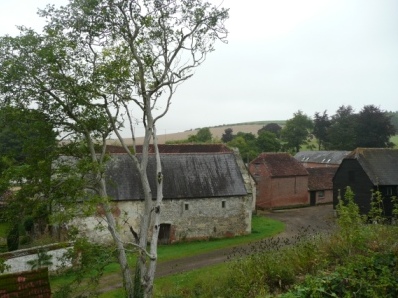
column 312, row 198
column 164, row 234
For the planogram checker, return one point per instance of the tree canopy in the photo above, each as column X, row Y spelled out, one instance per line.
column 268, row 142
column 275, row 128
column 374, row 128
column 227, row 136
column 320, row 130
column 202, row 136
column 347, row 130
column 296, row 131
column 27, row 149
column 99, row 66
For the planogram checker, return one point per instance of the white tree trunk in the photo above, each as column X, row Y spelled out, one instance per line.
column 126, row 272
column 110, row 219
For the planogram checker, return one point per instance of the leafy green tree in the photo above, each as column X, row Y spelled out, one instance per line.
column 247, row 136
column 98, row 64
column 296, row 131
column 394, row 119
column 26, row 136
column 268, row 142
column 275, row 128
column 374, row 128
column 227, row 136
column 247, row 145
column 321, row 126
column 13, row 238
column 202, row 136
column 342, row 130
column 27, row 150
column 247, row 148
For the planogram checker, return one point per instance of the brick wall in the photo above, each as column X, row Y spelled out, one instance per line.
column 282, row 192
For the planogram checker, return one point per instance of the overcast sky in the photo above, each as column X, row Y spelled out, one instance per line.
column 282, row 56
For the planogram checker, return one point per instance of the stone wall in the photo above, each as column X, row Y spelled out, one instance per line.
column 18, row 260
column 189, row 218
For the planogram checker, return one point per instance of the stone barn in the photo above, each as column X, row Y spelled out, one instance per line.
column 207, row 193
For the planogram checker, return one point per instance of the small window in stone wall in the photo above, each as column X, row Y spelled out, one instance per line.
column 223, row 204
column 186, row 206
column 321, row 194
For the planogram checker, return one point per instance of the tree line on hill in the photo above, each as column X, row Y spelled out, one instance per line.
column 345, row 130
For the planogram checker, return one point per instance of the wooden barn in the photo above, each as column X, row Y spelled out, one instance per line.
column 281, row 181
column 365, row 170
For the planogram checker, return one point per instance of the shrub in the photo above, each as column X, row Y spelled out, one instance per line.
column 364, row 276
column 13, row 238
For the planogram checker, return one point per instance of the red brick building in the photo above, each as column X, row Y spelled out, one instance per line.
column 281, row 181
column 320, row 184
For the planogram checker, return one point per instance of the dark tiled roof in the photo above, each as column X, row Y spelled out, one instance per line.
column 381, row 165
column 321, row 178
column 281, row 164
column 199, row 175
column 323, row 157
column 180, row 148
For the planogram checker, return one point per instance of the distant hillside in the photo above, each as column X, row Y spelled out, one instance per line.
column 217, row 131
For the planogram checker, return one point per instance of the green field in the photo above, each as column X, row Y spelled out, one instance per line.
column 394, row 140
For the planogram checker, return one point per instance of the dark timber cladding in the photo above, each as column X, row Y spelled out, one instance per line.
column 367, row 169
column 189, row 175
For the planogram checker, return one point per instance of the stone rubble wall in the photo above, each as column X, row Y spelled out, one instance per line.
column 18, row 260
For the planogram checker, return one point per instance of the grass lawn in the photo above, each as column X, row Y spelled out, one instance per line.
column 179, row 282
column 262, row 227
column 394, row 139
column 188, row 280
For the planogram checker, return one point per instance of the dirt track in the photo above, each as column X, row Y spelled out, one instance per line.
column 298, row 221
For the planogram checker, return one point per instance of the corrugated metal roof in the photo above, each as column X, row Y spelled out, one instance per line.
column 281, row 164
column 324, row 157
column 380, row 164
column 197, row 175
column 321, row 178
